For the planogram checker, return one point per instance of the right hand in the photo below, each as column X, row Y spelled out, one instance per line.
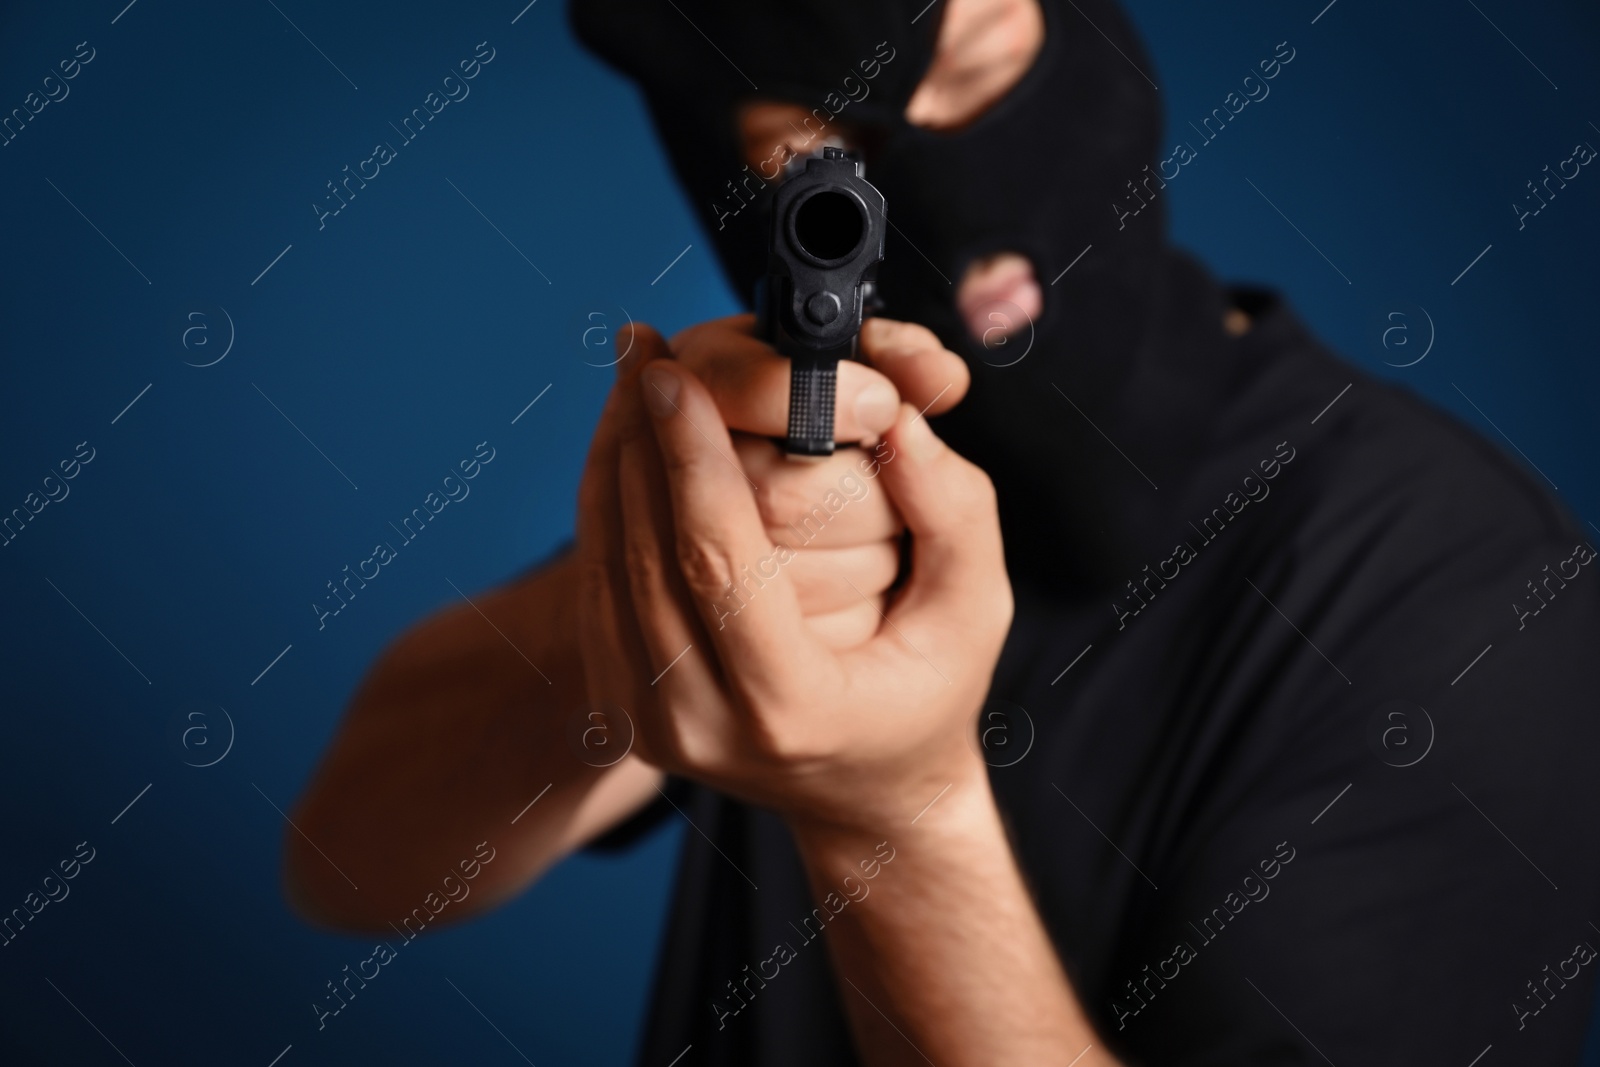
column 761, row 708
column 850, row 556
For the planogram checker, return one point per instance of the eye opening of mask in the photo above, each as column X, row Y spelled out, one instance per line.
column 829, row 225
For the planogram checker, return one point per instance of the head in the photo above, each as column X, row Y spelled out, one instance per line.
column 983, row 49
column 1000, row 131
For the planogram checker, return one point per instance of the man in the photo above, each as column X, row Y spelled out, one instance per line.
column 1212, row 777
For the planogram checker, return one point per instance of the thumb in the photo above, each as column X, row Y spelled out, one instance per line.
column 925, row 372
column 722, row 547
column 958, row 569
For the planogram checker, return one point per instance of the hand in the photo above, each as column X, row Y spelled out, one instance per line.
column 857, row 547
column 752, row 702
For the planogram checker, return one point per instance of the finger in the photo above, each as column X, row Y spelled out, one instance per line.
column 679, row 653
column 926, row 374
column 848, row 628
column 613, row 652
column 829, row 502
column 958, row 584
column 832, row 579
column 721, row 548
column 750, row 382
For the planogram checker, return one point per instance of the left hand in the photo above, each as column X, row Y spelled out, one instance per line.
column 752, row 702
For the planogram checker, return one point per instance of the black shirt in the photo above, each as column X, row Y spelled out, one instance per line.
column 1304, row 766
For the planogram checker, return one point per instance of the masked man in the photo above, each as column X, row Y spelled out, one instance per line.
column 1194, row 765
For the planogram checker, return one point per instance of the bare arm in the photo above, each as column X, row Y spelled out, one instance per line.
column 866, row 751
column 941, row 954
column 464, row 720
column 455, row 730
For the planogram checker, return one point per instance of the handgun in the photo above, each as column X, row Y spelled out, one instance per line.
column 825, row 245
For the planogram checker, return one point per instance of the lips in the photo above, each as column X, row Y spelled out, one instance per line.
column 999, row 296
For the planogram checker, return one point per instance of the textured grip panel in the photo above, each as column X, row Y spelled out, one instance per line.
column 811, row 399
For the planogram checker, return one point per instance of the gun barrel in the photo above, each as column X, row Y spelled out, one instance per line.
column 825, row 245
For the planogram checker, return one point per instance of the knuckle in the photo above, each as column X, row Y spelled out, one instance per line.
column 701, row 742
column 992, row 600
column 682, row 464
column 769, row 502
column 661, row 738
column 708, row 568
column 989, row 496
column 1002, row 605
column 784, row 740
column 687, row 749
column 978, row 497
column 777, row 501
column 766, row 739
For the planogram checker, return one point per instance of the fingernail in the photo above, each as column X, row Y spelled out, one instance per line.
column 876, row 406
column 660, row 391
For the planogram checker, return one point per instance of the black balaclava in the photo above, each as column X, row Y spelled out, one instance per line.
column 1061, row 169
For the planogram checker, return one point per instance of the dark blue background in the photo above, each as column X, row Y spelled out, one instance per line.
column 408, row 330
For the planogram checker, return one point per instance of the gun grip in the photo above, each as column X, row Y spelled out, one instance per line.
column 811, row 400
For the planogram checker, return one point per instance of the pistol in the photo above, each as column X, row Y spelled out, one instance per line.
column 824, row 249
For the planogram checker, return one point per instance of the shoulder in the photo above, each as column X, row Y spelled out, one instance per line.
column 1396, row 508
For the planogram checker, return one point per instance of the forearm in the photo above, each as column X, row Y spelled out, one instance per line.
column 458, row 727
column 945, row 958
